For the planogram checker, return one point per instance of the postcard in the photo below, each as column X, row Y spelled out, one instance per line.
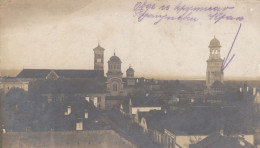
column 130, row 73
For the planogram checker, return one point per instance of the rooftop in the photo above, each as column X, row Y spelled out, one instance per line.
column 42, row 73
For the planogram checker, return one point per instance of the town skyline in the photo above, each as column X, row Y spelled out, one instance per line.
column 160, row 76
column 42, row 41
column 14, row 72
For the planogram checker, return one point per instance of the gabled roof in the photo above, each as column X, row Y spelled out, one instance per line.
column 217, row 84
column 42, row 73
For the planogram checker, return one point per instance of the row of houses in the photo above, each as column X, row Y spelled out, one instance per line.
column 192, row 127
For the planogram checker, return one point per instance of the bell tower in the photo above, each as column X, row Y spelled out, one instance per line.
column 98, row 58
column 130, row 76
column 214, row 64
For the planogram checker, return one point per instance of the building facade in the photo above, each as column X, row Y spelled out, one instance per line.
column 6, row 84
column 115, row 86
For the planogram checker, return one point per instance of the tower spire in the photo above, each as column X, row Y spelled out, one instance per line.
column 114, row 52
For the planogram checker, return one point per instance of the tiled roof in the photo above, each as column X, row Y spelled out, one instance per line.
column 42, row 73
column 67, row 86
column 146, row 102
column 197, row 121
column 153, row 119
column 217, row 140
column 59, row 121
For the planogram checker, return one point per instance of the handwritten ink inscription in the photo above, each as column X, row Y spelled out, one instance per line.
column 181, row 12
column 225, row 63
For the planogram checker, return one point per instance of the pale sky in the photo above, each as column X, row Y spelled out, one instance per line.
column 61, row 34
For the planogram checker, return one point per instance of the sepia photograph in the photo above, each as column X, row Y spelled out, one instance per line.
column 129, row 74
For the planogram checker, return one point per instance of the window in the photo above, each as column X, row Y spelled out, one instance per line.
column 95, row 101
column 114, row 87
column 86, row 115
column 87, row 99
column 79, row 125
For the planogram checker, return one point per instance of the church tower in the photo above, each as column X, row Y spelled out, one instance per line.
column 114, row 77
column 130, row 76
column 214, row 64
column 98, row 58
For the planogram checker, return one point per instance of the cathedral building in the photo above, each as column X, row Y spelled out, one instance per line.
column 214, row 74
column 115, row 85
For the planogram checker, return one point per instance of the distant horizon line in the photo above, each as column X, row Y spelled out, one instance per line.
column 152, row 77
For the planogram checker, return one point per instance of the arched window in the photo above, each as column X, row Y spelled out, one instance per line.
column 114, row 87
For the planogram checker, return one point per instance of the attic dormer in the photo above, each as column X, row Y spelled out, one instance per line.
column 52, row 76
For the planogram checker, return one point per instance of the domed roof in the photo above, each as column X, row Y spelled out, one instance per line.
column 214, row 42
column 114, row 59
column 99, row 48
column 129, row 69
